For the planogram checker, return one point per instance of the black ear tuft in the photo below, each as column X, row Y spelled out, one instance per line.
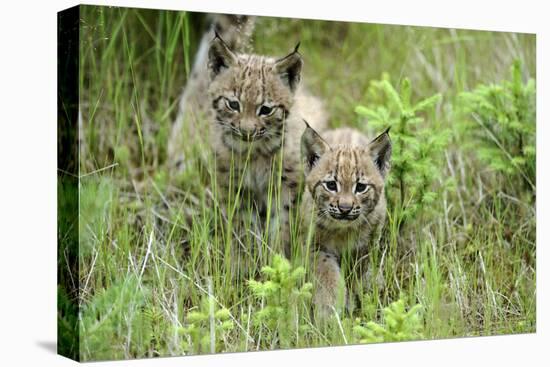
column 312, row 159
column 220, row 57
column 380, row 150
column 313, row 147
column 289, row 68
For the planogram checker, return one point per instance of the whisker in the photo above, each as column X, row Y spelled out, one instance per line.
column 321, row 215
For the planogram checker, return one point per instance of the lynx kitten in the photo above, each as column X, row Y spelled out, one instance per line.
column 344, row 199
column 253, row 107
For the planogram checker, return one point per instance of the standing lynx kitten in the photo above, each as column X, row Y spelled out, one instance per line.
column 257, row 108
column 253, row 107
column 344, row 200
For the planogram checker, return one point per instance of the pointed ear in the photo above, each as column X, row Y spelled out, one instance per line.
column 313, row 147
column 289, row 68
column 380, row 152
column 220, row 57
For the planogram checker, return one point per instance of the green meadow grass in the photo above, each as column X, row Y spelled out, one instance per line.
column 158, row 270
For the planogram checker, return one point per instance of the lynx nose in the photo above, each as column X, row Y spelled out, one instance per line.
column 247, row 127
column 345, row 208
column 248, row 134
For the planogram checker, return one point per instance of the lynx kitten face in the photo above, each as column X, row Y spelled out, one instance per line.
column 345, row 175
column 251, row 96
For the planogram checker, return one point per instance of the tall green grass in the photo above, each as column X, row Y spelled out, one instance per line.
column 159, row 271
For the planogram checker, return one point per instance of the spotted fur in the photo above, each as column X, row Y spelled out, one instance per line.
column 344, row 199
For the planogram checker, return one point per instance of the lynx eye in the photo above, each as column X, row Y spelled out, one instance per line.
column 233, row 105
column 265, row 110
column 360, row 187
column 331, row 186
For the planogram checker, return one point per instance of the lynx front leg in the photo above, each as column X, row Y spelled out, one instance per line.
column 330, row 289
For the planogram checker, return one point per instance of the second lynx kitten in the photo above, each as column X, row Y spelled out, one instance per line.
column 345, row 201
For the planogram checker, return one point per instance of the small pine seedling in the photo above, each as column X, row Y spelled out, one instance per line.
column 503, row 127
column 399, row 325
column 417, row 149
column 281, row 298
column 206, row 328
